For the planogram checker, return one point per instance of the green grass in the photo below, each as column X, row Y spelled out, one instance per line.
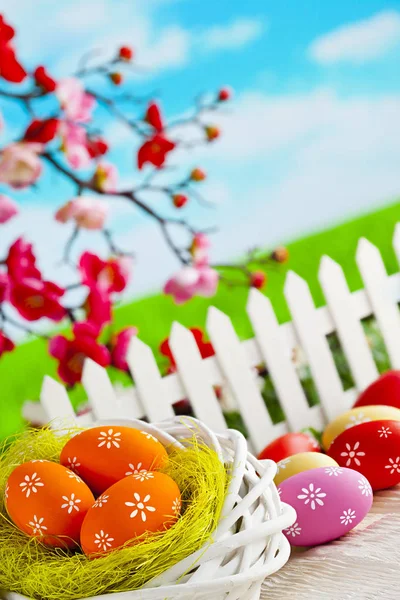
column 21, row 372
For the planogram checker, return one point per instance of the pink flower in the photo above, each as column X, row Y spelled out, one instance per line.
column 192, row 281
column 109, row 276
column 119, row 347
column 105, row 177
column 75, row 145
column 6, row 345
column 20, row 165
column 199, row 249
column 86, row 211
column 71, row 354
column 75, row 102
column 98, row 308
column 8, row 209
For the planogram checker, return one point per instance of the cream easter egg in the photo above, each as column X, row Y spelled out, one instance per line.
column 304, row 461
column 104, row 455
column 143, row 502
column 328, row 504
column 48, row 501
column 355, row 416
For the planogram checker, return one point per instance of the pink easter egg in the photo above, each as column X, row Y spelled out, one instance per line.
column 329, row 502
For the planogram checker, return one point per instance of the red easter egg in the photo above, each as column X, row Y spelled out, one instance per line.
column 48, row 501
column 104, row 455
column 287, row 445
column 371, row 448
column 136, row 504
column 385, row 390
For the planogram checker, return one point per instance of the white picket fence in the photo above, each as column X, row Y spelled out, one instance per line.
column 273, row 345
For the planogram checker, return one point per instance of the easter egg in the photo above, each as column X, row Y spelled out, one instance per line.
column 328, row 504
column 355, row 416
column 287, row 445
column 385, row 390
column 136, row 504
column 373, row 449
column 101, row 456
column 46, row 500
column 304, row 461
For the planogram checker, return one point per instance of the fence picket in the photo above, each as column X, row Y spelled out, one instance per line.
column 347, row 323
column 315, row 345
column 100, row 392
column 279, row 363
column 148, row 381
column 192, row 373
column 376, row 283
column 56, row 403
column 235, row 367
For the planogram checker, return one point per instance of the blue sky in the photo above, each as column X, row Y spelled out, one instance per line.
column 312, row 138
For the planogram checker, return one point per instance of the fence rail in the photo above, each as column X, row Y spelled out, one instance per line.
column 273, row 345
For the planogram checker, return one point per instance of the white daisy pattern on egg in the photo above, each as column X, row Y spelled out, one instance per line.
column 103, row 540
column 143, row 476
column 101, row 500
column 365, row 487
column 135, row 470
column 312, row 496
column 109, row 439
column 348, row 517
column 353, row 454
column 38, row 460
column 37, row 525
column 394, row 465
column 31, row 484
column 357, row 420
column 333, row 471
column 73, row 463
column 71, row 503
column 74, row 476
column 149, row 436
column 282, row 464
column 293, row 530
column 384, row 432
column 140, row 506
column 176, row 506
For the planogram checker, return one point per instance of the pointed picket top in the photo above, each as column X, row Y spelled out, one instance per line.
column 396, row 242
column 101, row 395
column 241, row 378
column 148, row 382
column 348, row 326
column 56, row 403
column 192, row 374
column 278, row 360
column 315, row 345
column 385, row 309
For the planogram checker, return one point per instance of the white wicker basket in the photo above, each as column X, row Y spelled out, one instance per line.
column 248, row 544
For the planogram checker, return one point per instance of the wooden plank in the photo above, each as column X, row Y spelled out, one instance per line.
column 375, row 280
column 56, row 403
column 149, row 384
column 315, row 345
column 100, row 392
column 347, row 322
column 234, row 365
column 192, row 373
column 277, row 358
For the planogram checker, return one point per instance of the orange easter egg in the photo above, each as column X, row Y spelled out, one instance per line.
column 46, row 500
column 143, row 502
column 104, row 455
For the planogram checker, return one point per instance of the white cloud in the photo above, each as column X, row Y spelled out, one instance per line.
column 170, row 51
column 358, row 42
column 237, row 34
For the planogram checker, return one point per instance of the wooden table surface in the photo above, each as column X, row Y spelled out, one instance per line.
column 363, row 565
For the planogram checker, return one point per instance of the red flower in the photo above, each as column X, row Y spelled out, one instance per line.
column 6, row 31
column 35, row 299
column 116, row 78
column 154, row 151
column 71, row 354
column 6, row 345
column 179, row 200
column 153, row 117
column 110, row 276
column 42, row 131
column 125, row 53
column 119, row 347
column 206, row 348
column 98, row 308
column 21, row 261
column 10, row 69
column 96, row 147
column 258, row 279
column 43, row 80
column 224, row 94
